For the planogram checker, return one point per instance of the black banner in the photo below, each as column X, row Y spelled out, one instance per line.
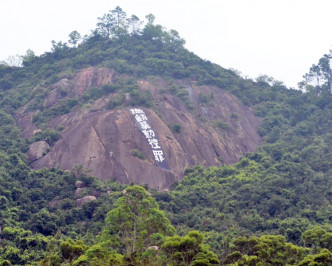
column 143, row 125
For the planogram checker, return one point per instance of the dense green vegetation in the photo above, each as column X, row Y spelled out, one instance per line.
column 273, row 207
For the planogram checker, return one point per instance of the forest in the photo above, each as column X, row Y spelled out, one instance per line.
column 273, row 207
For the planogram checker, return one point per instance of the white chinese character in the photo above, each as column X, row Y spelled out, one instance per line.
column 140, row 117
column 149, row 133
column 154, row 143
column 158, row 156
column 136, row 111
column 144, row 125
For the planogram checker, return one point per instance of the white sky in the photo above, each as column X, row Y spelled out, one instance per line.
column 280, row 38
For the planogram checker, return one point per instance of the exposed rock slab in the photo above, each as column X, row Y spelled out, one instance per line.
column 103, row 140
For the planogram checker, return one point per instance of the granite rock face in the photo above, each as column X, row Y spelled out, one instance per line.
column 220, row 130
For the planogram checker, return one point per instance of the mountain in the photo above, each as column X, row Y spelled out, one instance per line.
column 247, row 163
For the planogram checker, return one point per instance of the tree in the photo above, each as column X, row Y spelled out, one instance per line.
column 14, row 61
column 320, row 75
column 135, row 222
column 150, row 18
column 71, row 250
column 104, row 26
column 79, row 171
column 134, row 25
column 74, row 37
column 323, row 258
column 151, row 31
column 59, row 49
column 62, row 252
column 28, row 58
column 120, row 18
column 113, row 24
column 100, row 254
column 58, row 46
column 317, row 238
column 266, row 250
column 189, row 250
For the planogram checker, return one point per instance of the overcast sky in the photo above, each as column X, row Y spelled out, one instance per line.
column 280, row 38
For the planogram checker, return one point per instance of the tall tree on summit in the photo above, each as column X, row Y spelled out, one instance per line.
column 320, row 75
column 74, row 36
column 134, row 25
column 121, row 25
column 113, row 24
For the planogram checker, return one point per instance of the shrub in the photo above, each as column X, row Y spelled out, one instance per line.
column 175, row 128
column 205, row 97
column 234, row 116
column 109, row 88
column 115, row 102
column 138, row 154
column 220, row 124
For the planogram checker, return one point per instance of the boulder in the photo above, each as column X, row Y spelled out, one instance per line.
column 79, row 184
column 154, row 248
column 37, row 150
column 79, row 192
column 80, row 202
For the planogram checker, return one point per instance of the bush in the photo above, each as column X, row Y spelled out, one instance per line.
column 175, row 128
column 234, row 116
column 137, row 154
column 109, row 88
column 139, row 98
column 205, row 97
column 51, row 136
column 220, row 124
column 115, row 102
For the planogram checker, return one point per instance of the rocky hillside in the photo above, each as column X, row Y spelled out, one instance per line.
column 131, row 104
column 195, row 124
